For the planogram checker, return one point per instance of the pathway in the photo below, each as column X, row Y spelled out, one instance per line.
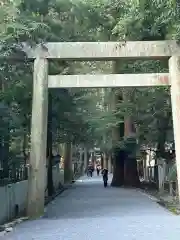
column 88, row 211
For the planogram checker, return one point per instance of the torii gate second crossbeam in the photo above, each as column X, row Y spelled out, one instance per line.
column 108, row 80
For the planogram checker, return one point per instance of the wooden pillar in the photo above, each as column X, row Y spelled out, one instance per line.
column 117, row 133
column 81, row 160
column 68, row 168
column 129, row 129
column 85, row 159
column 102, row 161
column 114, row 102
column 109, row 164
column 105, row 161
column 37, row 163
column 145, row 169
column 93, row 158
column 80, row 156
column 144, row 159
column 174, row 74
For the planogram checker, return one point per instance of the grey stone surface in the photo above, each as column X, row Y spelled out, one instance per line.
column 89, row 211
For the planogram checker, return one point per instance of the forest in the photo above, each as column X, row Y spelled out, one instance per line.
column 121, row 121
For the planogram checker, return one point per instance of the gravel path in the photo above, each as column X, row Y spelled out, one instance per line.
column 88, row 211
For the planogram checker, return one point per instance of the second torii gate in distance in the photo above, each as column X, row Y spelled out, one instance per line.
column 110, row 51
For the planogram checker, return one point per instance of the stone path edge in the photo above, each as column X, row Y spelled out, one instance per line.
column 159, row 201
column 8, row 227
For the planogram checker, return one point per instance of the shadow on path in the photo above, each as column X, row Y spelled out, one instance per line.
column 88, row 198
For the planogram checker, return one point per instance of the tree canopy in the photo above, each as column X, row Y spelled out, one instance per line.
column 83, row 116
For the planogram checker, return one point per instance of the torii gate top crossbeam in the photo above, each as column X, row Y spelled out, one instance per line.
column 104, row 50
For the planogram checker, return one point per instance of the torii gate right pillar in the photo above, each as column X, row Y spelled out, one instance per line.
column 174, row 74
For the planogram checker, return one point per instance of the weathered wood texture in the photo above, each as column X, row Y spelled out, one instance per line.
column 109, row 164
column 68, row 171
column 86, row 160
column 118, row 166
column 37, row 169
column 104, row 50
column 114, row 102
column 111, row 80
column 105, row 162
column 174, row 71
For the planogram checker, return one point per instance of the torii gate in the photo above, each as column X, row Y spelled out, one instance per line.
column 92, row 51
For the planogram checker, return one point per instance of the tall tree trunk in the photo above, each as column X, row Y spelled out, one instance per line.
column 105, row 160
column 68, row 172
column 110, row 163
column 85, row 158
column 117, row 134
column 50, row 184
column 102, row 161
column 118, row 168
column 131, row 177
column 118, row 157
column 93, row 159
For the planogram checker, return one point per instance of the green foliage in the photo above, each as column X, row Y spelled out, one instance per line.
column 38, row 22
column 149, row 108
column 84, row 116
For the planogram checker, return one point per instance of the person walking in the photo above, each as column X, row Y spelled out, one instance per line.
column 90, row 170
column 105, row 176
column 98, row 170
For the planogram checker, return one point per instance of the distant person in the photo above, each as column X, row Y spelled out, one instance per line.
column 90, row 170
column 98, row 169
column 105, row 176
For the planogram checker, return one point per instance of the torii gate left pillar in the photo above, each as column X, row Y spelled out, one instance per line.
column 37, row 168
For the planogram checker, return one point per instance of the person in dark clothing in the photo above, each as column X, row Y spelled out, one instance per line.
column 98, row 170
column 105, row 176
column 90, row 170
